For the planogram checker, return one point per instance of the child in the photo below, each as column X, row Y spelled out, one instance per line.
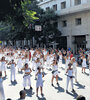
column 39, row 82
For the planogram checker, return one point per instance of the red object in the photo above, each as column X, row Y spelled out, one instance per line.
column 71, row 56
column 29, row 55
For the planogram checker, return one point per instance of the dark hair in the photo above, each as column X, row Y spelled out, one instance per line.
column 38, row 68
column 9, row 99
column 26, row 64
column 80, row 97
column 21, row 93
column 0, row 73
column 69, row 64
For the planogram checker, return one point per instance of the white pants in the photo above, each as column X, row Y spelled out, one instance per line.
column 75, row 73
column 2, row 96
column 13, row 74
column 26, row 81
column 68, row 79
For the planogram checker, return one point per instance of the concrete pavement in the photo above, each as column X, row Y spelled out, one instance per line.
column 50, row 93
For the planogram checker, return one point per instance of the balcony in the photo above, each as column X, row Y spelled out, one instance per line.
column 74, row 9
column 44, row 2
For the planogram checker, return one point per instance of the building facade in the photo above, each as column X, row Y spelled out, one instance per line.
column 73, row 21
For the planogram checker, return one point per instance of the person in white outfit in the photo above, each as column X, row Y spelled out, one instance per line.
column 84, row 65
column 39, row 82
column 67, row 59
column 19, row 63
column 69, row 77
column 2, row 95
column 26, row 77
column 54, row 72
column 74, row 68
column 13, row 70
column 60, row 59
column 3, row 65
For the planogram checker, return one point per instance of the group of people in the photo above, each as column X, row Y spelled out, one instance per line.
column 38, row 60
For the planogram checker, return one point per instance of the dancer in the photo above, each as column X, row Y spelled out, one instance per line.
column 84, row 65
column 39, row 82
column 60, row 59
column 70, row 77
column 13, row 70
column 74, row 68
column 67, row 59
column 54, row 72
column 26, row 77
column 19, row 63
column 3, row 65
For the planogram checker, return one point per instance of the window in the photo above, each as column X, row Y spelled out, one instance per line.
column 47, row 8
column 63, row 5
column 78, row 21
column 55, row 7
column 64, row 23
column 77, row 2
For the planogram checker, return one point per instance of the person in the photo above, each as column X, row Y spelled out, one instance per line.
column 2, row 95
column 3, row 65
column 19, row 63
column 69, row 77
column 84, row 65
column 22, row 94
column 13, row 70
column 39, row 82
column 26, row 76
column 60, row 59
column 89, row 65
column 54, row 72
column 67, row 60
column 74, row 68
column 80, row 97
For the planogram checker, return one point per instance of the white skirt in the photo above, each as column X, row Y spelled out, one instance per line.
column 55, row 74
column 39, row 83
column 3, row 68
column 84, row 65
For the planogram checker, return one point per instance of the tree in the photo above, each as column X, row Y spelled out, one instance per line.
column 49, row 23
column 19, row 16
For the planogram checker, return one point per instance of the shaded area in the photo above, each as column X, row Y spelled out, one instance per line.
column 80, row 86
column 73, row 94
column 29, row 92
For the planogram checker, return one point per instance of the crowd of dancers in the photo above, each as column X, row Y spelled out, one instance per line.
column 38, row 60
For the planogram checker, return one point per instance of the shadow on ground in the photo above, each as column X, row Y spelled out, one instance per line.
column 59, row 89
column 29, row 92
column 13, row 83
column 73, row 94
column 80, row 86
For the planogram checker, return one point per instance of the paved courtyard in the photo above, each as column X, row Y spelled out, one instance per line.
column 50, row 93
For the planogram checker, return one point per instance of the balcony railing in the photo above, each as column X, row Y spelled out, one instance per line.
column 74, row 9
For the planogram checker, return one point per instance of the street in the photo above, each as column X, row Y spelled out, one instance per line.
column 50, row 93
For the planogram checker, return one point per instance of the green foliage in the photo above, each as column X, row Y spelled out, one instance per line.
column 28, row 14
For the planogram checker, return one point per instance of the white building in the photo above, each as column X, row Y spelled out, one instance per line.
column 74, row 20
